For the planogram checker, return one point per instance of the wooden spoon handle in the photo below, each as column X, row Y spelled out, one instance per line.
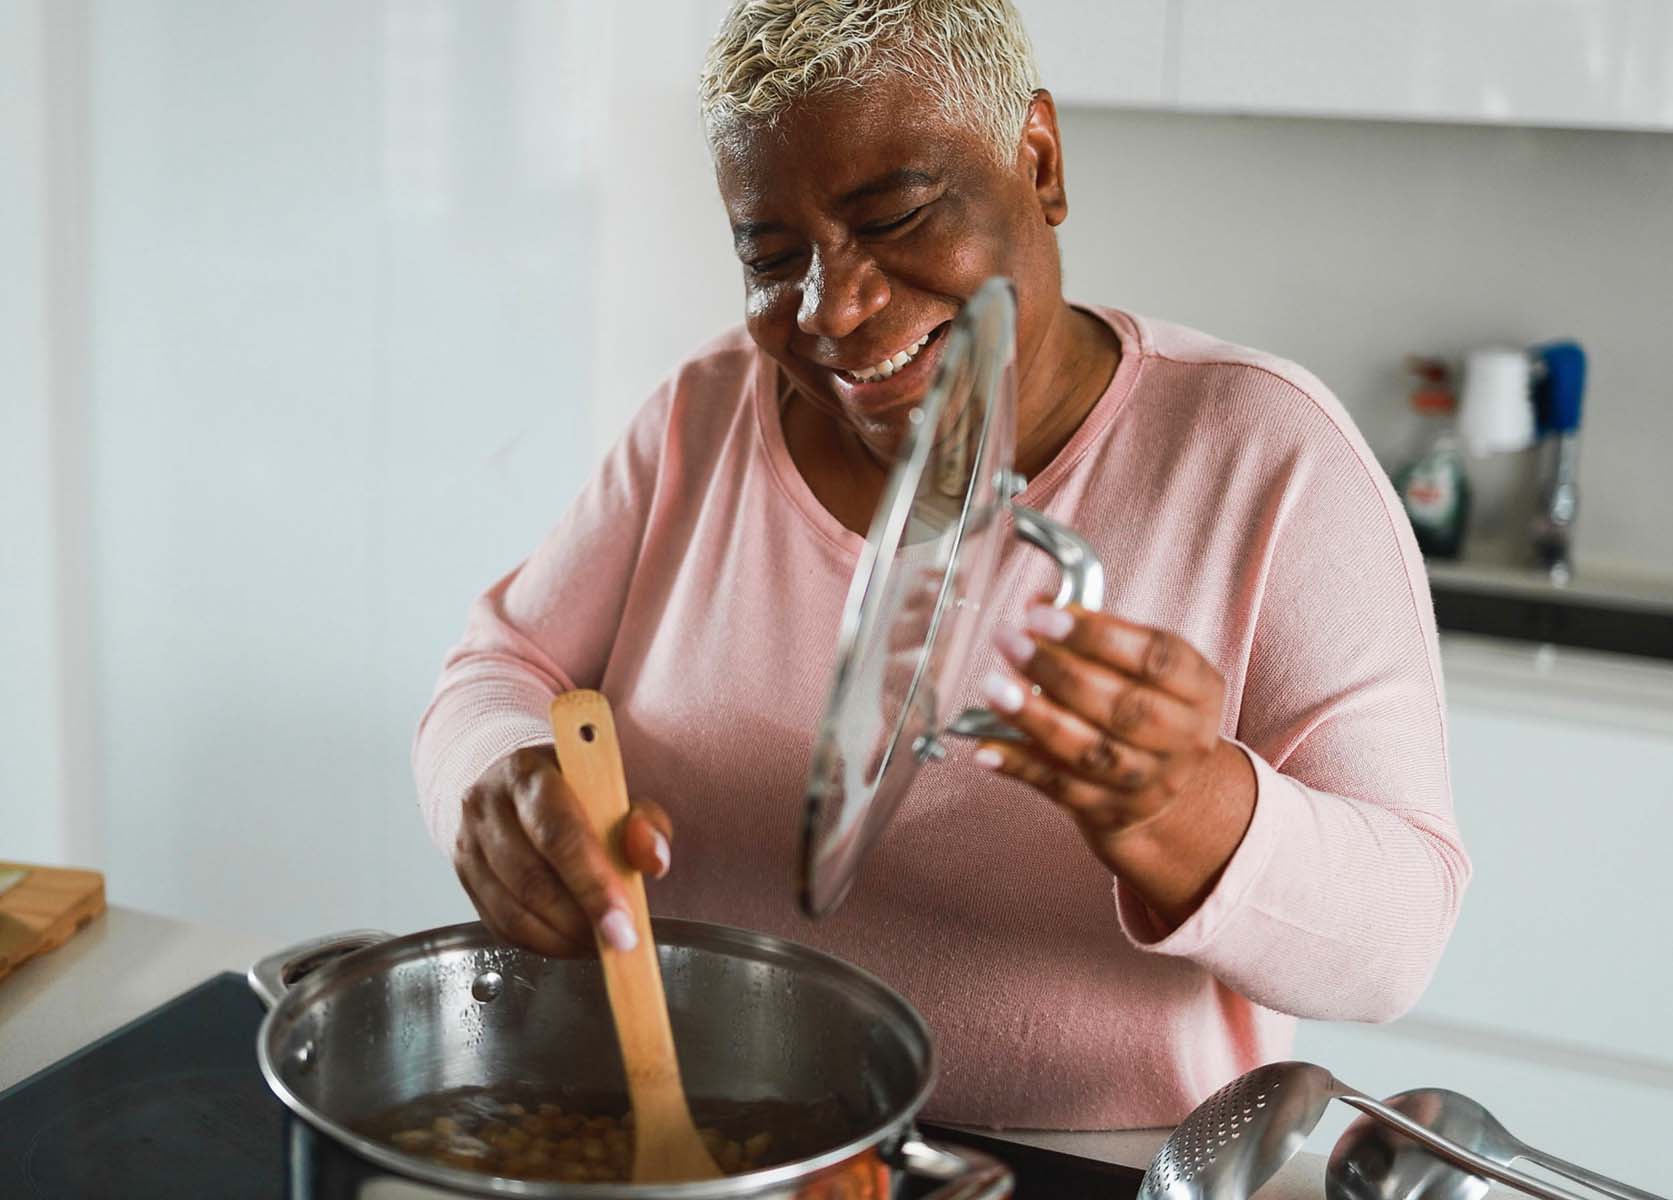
column 591, row 762
column 584, row 732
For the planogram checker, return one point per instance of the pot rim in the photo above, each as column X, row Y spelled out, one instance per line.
column 674, row 931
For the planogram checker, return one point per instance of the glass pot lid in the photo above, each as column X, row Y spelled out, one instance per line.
column 916, row 598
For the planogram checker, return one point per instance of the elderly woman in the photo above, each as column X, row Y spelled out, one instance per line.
column 1232, row 807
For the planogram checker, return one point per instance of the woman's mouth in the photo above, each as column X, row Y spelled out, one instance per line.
column 889, row 366
column 902, row 376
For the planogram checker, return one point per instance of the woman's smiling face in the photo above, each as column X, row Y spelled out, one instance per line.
column 864, row 219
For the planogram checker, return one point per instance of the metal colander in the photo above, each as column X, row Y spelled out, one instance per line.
column 1240, row 1136
column 1220, row 1120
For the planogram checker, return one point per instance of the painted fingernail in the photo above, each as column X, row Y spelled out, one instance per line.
column 1002, row 692
column 617, row 928
column 1016, row 646
column 1050, row 622
column 989, row 758
column 659, row 847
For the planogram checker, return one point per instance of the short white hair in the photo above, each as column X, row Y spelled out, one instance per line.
column 770, row 54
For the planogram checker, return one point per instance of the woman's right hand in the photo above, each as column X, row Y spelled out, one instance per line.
column 532, row 866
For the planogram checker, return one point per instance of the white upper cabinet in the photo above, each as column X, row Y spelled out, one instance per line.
column 1581, row 63
column 1100, row 51
column 1533, row 62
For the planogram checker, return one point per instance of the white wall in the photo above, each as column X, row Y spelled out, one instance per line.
column 372, row 287
column 672, row 279
column 29, row 781
column 1346, row 245
column 45, row 743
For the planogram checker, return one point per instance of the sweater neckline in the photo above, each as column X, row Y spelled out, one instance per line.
column 789, row 479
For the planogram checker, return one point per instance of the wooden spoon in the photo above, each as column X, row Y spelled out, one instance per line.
column 666, row 1148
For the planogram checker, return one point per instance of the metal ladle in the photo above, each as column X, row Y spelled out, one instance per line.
column 1239, row 1137
column 1372, row 1162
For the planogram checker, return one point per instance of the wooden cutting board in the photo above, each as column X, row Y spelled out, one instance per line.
column 42, row 912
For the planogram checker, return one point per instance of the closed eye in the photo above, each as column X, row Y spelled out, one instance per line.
column 894, row 223
column 766, row 266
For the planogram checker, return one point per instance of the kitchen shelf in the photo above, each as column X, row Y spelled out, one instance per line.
column 1619, row 614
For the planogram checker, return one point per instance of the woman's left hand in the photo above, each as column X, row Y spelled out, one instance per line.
column 1123, row 724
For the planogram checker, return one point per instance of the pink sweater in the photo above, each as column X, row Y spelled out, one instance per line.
column 698, row 583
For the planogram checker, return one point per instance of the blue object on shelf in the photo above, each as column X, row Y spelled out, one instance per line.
column 1561, row 385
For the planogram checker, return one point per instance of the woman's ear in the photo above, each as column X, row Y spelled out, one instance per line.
column 1041, row 156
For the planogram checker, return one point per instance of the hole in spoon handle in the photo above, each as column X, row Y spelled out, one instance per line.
column 584, row 737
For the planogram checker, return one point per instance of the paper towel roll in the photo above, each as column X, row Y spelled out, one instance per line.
column 1496, row 411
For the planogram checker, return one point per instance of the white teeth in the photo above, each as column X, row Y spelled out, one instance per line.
column 890, row 365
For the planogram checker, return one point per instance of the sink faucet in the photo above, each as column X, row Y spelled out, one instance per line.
column 1559, row 501
column 1560, row 375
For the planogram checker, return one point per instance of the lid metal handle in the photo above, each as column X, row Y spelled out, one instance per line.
column 1082, row 585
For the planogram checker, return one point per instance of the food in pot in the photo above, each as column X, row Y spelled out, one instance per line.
column 526, row 1132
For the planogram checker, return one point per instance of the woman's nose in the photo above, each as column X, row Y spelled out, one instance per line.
column 840, row 293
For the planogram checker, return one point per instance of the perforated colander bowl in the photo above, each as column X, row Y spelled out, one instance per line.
column 1239, row 1137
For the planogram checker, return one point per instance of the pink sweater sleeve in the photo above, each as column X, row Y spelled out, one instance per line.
column 1343, row 893
column 542, row 629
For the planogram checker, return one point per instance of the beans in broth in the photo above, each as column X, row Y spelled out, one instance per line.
column 524, row 1132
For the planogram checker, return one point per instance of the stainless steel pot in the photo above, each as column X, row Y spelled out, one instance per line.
column 361, row 1022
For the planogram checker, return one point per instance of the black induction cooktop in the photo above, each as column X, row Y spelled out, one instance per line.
column 173, row 1105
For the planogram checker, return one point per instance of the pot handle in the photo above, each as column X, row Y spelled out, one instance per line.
column 276, row 974
column 964, row 1174
column 1082, row 583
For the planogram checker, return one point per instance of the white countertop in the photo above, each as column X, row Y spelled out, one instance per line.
column 1589, row 584
column 121, row 966
column 127, row 962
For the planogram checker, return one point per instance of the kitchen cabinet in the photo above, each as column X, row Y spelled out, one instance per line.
column 1565, row 932
column 1549, row 1004
column 1578, row 63
column 1531, row 62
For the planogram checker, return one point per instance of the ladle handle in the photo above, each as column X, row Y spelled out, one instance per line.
column 1457, row 1155
column 1587, row 1178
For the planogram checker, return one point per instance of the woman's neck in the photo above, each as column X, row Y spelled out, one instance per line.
column 1060, row 383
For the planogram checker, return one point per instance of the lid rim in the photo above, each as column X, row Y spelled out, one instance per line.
column 827, row 867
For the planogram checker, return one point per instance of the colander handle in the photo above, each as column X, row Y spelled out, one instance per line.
column 964, row 1174
column 1455, row 1154
column 1585, row 1177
